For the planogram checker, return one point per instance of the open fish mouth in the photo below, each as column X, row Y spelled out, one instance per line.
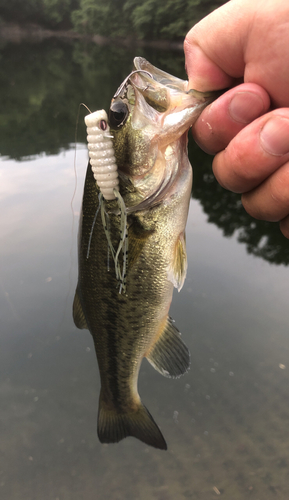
column 155, row 85
column 160, row 76
column 150, row 74
column 160, row 89
column 171, row 82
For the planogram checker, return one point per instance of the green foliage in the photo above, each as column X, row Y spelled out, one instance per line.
column 155, row 19
column 56, row 11
column 49, row 13
column 102, row 17
column 144, row 19
column 148, row 19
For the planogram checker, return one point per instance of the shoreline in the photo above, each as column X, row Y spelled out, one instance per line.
column 15, row 33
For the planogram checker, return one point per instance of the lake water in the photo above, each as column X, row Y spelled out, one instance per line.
column 226, row 420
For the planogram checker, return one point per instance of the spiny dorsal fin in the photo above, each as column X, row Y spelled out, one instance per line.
column 177, row 272
column 78, row 314
column 115, row 425
column 169, row 355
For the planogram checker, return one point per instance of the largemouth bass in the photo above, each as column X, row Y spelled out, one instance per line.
column 149, row 117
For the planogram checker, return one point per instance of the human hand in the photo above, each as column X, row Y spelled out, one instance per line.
column 248, row 126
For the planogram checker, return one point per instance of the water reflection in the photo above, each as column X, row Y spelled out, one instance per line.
column 262, row 239
column 41, row 86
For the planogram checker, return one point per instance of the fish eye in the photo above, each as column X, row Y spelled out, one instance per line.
column 117, row 114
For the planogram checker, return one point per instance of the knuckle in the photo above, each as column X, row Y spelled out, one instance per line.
column 252, row 208
column 284, row 227
column 237, row 170
column 280, row 187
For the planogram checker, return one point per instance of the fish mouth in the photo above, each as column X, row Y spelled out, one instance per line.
column 157, row 87
column 146, row 73
column 159, row 76
column 163, row 91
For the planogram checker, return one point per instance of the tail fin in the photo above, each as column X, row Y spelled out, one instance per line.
column 114, row 426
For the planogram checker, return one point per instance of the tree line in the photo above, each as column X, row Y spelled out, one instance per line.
column 143, row 19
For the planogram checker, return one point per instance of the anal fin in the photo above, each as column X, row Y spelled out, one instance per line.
column 169, row 355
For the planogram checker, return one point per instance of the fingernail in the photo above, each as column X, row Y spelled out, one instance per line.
column 274, row 136
column 245, row 107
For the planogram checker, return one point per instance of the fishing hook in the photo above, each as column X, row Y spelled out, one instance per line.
column 125, row 82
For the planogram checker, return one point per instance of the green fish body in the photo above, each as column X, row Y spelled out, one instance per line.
column 149, row 118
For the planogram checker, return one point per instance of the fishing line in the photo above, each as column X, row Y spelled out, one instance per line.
column 75, row 153
column 75, row 182
column 72, row 245
column 100, row 196
column 123, row 244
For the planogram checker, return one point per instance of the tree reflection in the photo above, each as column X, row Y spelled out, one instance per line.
column 42, row 85
column 262, row 239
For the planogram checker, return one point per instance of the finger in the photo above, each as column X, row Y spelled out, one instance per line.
column 229, row 114
column 284, row 226
column 241, row 39
column 214, row 48
column 270, row 200
column 254, row 153
column 204, row 75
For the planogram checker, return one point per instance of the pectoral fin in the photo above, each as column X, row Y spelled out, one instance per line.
column 169, row 355
column 177, row 272
column 78, row 314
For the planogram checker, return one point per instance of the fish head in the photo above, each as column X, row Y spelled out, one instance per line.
column 149, row 117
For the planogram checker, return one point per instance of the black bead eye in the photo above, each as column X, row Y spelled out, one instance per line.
column 117, row 114
column 103, row 125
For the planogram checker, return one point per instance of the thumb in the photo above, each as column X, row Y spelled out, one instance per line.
column 214, row 48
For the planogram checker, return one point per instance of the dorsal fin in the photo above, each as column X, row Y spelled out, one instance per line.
column 169, row 355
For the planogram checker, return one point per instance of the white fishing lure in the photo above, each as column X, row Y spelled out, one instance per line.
column 101, row 153
column 104, row 168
